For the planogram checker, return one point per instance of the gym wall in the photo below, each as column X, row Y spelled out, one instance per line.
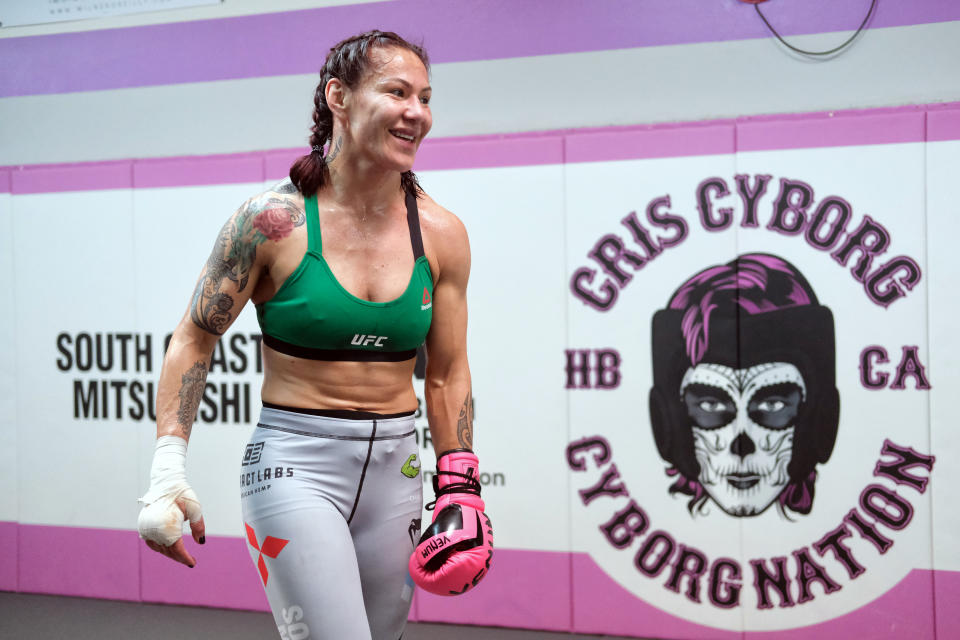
column 601, row 155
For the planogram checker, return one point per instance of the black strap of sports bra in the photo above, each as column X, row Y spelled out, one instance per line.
column 413, row 221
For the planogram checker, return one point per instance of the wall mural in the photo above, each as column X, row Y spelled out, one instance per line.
column 754, row 442
column 727, row 374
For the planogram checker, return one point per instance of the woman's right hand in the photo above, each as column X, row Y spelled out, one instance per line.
column 169, row 501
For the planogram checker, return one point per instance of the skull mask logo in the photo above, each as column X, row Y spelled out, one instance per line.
column 744, row 403
column 743, row 428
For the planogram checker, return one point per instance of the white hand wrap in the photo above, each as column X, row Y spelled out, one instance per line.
column 161, row 520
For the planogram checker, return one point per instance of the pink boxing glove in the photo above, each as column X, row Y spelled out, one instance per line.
column 454, row 552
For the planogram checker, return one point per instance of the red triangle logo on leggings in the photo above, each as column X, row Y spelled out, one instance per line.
column 271, row 548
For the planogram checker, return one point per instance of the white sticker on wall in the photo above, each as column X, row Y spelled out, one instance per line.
column 17, row 13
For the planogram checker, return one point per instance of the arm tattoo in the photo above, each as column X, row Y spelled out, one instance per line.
column 193, row 382
column 286, row 187
column 465, row 423
column 336, row 150
column 233, row 255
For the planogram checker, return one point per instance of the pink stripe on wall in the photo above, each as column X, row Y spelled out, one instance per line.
column 117, row 565
column 841, row 129
column 489, row 151
column 277, row 163
column 8, row 556
column 297, row 41
column 601, row 605
column 223, row 577
column 470, row 152
column 77, row 561
column 905, row 611
column 191, row 171
column 946, row 586
column 524, row 589
column 943, row 125
column 4, row 180
column 651, row 142
column 790, row 131
column 82, row 176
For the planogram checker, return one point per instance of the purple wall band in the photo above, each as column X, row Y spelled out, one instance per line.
column 667, row 141
column 841, row 128
column 80, row 176
column 943, row 125
column 480, row 152
column 276, row 164
column 296, row 42
column 192, row 171
column 224, row 576
column 9, row 544
column 832, row 131
column 601, row 606
column 74, row 561
column 571, row 592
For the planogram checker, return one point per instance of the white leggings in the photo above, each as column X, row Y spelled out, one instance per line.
column 332, row 514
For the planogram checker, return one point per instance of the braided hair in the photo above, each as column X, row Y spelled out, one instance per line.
column 348, row 61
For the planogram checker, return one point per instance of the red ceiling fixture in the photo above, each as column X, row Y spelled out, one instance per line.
column 753, row 1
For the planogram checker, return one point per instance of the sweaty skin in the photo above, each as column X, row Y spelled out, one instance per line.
column 378, row 126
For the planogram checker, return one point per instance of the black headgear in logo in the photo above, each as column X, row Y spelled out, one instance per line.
column 756, row 309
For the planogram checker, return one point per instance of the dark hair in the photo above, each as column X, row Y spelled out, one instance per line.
column 754, row 283
column 348, row 61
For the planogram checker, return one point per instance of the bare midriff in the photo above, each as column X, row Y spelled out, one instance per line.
column 380, row 387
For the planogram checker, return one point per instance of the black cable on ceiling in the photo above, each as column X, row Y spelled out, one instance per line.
column 873, row 4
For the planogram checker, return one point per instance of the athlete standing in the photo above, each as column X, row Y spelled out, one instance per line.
column 351, row 268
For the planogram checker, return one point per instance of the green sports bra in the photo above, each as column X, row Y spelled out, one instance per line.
column 312, row 316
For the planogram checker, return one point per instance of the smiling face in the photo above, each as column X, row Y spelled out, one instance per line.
column 743, row 427
column 387, row 115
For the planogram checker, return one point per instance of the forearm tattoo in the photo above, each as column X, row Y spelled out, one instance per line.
column 265, row 218
column 465, row 423
column 192, row 384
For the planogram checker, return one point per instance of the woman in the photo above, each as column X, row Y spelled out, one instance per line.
column 332, row 497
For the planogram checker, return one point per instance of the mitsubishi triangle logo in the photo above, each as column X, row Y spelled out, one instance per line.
column 427, row 300
column 271, row 548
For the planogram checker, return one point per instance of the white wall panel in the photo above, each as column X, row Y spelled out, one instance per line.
column 223, row 10
column 175, row 230
column 599, row 196
column 943, row 225
column 514, row 217
column 9, row 477
column 886, row 183
column 73, row 255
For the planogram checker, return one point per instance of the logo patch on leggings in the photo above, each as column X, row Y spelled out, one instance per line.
column 259, row 479
column 408, row 469
column 293, row 628
column 251, row 454
column 414, row 531
column 271, row 548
